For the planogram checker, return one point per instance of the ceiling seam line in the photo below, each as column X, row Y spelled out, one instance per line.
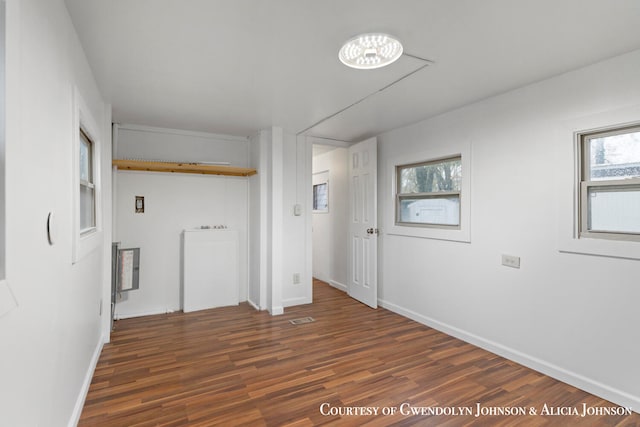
column 417, row 57
column 327, row 138
column 428, row 62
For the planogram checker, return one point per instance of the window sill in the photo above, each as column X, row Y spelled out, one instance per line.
column 451, row 234
column 601, row 247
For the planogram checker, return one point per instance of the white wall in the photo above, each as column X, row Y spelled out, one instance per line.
column 256, row 279
column 2, row 143
column 280, row 240
column 50, row 338
column 260, row 222
column 572, row 316
column 174, row 202
column 296, row 190
column 151, row 143
column 330, row 229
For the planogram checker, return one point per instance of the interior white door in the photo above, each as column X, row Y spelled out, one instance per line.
column 363, row 220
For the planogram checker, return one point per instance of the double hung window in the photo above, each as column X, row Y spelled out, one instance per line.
column 428, row 193
column 87, row 218
column 87, row 185
column 610, row 184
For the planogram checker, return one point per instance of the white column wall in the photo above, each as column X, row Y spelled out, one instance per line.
column 296, row 248
column 283, row 238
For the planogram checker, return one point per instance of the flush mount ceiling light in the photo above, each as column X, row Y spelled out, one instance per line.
column 369, row 51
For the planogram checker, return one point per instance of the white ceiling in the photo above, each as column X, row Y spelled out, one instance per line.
column 238, row 66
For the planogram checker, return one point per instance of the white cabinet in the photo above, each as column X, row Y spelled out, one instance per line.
column 210, row 273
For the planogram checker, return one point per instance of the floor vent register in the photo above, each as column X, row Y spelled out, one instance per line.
column 302, row 320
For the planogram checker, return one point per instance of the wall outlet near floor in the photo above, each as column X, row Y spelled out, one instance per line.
column 296, row 278
column 511, row 261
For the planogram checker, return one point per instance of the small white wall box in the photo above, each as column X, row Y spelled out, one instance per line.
column 128, row 269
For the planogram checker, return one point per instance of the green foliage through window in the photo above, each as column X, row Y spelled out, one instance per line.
column 433, row 177
column 428, row 193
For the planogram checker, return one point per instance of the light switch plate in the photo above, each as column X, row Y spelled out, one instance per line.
column 139, row 204
column 511, row 261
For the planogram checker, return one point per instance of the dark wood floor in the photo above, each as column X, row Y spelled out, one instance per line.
column 237, row 366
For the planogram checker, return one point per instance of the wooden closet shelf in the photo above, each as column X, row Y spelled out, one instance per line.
column 142, row 165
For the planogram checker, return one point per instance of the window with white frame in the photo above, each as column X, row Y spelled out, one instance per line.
column 321, row 197
column 87, row 230
column 609, row 190
column 428, row 194
column 87, row 185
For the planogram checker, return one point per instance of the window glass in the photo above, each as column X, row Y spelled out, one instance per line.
column 614, row 209
column 87, row 208
column 87, row 188
column 439, row 176
column 320, row 197
column 614, row 156
column 85, row 158
column 437, row 210
column 428, row 193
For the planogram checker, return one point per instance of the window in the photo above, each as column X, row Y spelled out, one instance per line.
column 87, row 186
column 610, row 184
column 87, row 228
column 321, row 197
column 428, row 193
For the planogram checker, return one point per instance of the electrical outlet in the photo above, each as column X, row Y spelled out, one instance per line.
column 511, row 261
column 296, row 278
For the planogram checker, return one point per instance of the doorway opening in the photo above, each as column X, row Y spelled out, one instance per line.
column 330, row 192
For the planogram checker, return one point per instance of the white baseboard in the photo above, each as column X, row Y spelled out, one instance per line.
column 84, row 390
column 276, row 311
column 253, row 304
column 295, row 301
column 120, row 316
column 338, row 285
column 589, row 385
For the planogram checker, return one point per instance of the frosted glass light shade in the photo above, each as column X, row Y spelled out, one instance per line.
column 368, row 51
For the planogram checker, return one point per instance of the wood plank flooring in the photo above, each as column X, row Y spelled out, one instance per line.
column 236, row 366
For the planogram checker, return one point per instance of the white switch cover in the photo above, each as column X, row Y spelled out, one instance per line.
column 511, row 261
